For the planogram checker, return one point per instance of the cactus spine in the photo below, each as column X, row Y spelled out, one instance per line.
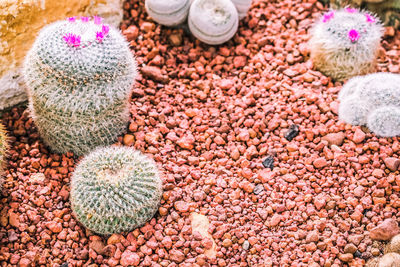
column 115, row 189
column 345, row 43
column 79, row 74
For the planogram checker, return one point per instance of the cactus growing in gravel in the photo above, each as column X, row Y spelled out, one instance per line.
column 213, row 21
column 372, row 100
column 345, row 43
column 79, row 74
column 3, row 151
column 168, row 13
column 115, row 189
column 242, row 7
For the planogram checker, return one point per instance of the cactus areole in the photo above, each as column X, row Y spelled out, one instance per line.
column 79, row 74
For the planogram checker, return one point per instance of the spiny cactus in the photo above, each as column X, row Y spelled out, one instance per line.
column 213, row 21
column 345, row 43
column 393, row 245
column 372, row 100
column 115, row 189
column 3, row 151
column 79, row 74
column 168, row 13
column 242, row 7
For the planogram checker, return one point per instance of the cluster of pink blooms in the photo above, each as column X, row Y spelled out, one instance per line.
column 72, row 39
column 75, row 40
column 353, row 34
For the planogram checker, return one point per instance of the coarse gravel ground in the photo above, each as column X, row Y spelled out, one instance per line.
column 209, row 116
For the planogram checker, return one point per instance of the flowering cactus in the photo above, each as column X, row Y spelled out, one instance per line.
column 213, row 21
column 345, row 43
column 374, row 101
column 79, row 74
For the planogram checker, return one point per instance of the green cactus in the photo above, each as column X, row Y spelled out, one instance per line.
column 115, row 189
column 79, row 75
column 345, row 43
column 3, row 151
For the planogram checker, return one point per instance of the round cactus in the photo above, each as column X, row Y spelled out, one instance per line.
column 115, row 189
column 3, row 151
column 168, row 13
column 242, row 7
column 79, row 74
column 372, row 100
column 393, row 245
column 345, row 43
column 213, row 21
column 389, row 260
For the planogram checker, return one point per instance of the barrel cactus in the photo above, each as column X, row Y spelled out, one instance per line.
column 213, row 21
column 242, row 7
column 79, row 74
column 168, row 13
column 3, row 151
column 345, row 43
column 372, row 100
column 115, row 189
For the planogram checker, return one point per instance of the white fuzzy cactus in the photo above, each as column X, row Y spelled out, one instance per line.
column 213, row 21
column 345, row 43
column 372, row 100
column 242, row 7
column 79, row 74
column 168, row 12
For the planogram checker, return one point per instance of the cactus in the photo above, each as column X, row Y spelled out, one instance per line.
column 393, row 245
column 79, row 74
column 213, row 21
column 115, row 189
column 389, row 260
column 372, row 100
column 3, row 151
column 168, row 13
column 345, row 43
column 242, row 7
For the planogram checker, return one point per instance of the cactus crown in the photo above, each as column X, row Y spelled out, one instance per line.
column 115, row 189
column 80, row 56
column 349, row 27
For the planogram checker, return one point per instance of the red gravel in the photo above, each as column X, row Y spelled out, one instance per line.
column 209, row 116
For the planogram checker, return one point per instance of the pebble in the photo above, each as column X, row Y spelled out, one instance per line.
column 385, row 230
column 292, row 132
column 129, row 258
column 268, row 162
column 334, row 138
column 176, row 255
column 392, row 163
column 181, row 206
column 258, row 189
column 290, row 178
column 320, row 163
column 359, row 136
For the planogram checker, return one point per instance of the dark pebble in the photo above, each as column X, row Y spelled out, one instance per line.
column 292, row 132
column 268, row 162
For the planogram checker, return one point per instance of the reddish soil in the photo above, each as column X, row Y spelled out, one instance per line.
column 209, row 116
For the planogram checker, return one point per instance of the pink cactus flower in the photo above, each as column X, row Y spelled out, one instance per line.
column 105, row 29
column 85, row 19
column 97, row 20
column 71, row 19
column 99, row 36
column 370, row 18
column 353, row 35
column 351, row 10
column 72, row 39
column 328, row 16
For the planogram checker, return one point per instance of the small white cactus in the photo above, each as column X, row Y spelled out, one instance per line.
column 372, row 100
column 242, row 7
column 345, row 43
column 213, row 21
column 168, row 12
